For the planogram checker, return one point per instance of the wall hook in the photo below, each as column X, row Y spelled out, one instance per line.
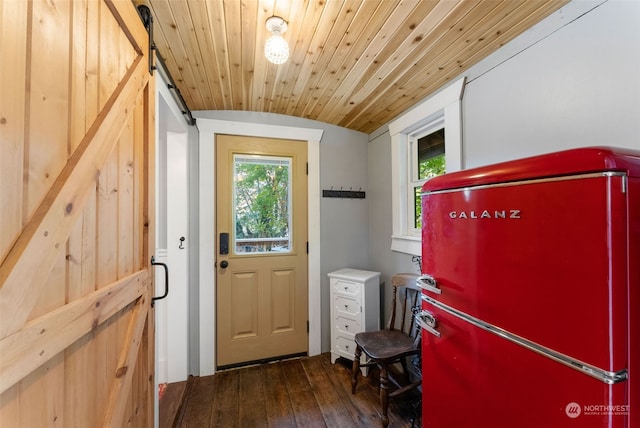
column 182, row 238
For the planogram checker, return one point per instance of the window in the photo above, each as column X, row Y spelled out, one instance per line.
column 429, row 134
column 262, row 201
column 427, row 160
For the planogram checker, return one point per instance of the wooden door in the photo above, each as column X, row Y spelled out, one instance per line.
column 261, row 280
column 76, row 208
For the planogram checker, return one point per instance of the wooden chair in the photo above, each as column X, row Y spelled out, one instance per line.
column 399, row 342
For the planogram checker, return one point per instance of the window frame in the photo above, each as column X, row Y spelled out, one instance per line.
column 445, row 105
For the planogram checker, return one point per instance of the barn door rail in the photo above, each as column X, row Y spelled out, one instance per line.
column 147, row 19
column 166, row 280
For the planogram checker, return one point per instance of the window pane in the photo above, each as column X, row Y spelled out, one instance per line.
column 262, row 201
column 418, row 204
column 431, row 160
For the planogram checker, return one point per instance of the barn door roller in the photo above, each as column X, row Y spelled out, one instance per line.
column 147, row 20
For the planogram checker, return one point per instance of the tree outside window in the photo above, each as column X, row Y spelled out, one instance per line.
column 430, row 163
column 262, row 204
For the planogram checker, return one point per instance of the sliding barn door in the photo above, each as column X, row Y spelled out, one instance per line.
column 76, row 207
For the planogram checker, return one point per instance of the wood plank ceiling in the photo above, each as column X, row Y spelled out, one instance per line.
column 353, row 63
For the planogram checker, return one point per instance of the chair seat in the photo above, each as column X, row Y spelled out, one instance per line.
column 386, row 344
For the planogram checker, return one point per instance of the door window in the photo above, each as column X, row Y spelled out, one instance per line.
column 262, row 204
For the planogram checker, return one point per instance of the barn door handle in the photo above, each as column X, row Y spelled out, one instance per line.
column 166, row 280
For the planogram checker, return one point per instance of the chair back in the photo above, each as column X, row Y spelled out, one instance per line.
column 406, row 302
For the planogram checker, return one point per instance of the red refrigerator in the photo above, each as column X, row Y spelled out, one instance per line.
column 531, row 293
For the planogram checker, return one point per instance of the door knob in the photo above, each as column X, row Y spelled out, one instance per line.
column 224, row 264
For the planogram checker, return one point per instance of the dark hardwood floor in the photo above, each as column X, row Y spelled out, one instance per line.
column 304, row 392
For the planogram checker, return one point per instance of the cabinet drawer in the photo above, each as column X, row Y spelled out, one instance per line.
column 346, row 346
column 347, row 288
column 347, row 306
column 347, row 326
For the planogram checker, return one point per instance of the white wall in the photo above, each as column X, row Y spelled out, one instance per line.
column 572, row 80
column 578, row 86
column 172, row 220
column 175, row 305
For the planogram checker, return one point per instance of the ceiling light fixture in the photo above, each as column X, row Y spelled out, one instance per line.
column 276, row 49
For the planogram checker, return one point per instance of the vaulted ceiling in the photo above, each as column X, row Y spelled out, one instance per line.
column 353, row 63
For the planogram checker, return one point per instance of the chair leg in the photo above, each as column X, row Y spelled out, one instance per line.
column 355, row 371
column 403, row 363
column 417, row 410
column 384, row 394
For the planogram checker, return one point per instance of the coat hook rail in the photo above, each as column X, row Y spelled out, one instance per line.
column 349, row 194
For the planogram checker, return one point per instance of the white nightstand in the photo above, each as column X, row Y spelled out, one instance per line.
column 355, row 307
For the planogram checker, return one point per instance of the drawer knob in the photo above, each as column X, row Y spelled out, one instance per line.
column 346, row 327
column 346, row 306
column 346, row 288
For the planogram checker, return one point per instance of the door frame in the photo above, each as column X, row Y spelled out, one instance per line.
column 172, row 339
column 208, row 128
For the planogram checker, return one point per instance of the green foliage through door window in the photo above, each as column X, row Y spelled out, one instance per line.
column 262, row 201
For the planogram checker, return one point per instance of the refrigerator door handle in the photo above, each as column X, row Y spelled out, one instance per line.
column 427, row 321
column 429, row 283
column 608, row 377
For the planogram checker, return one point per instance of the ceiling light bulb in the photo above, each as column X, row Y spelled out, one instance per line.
column 276, row 49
